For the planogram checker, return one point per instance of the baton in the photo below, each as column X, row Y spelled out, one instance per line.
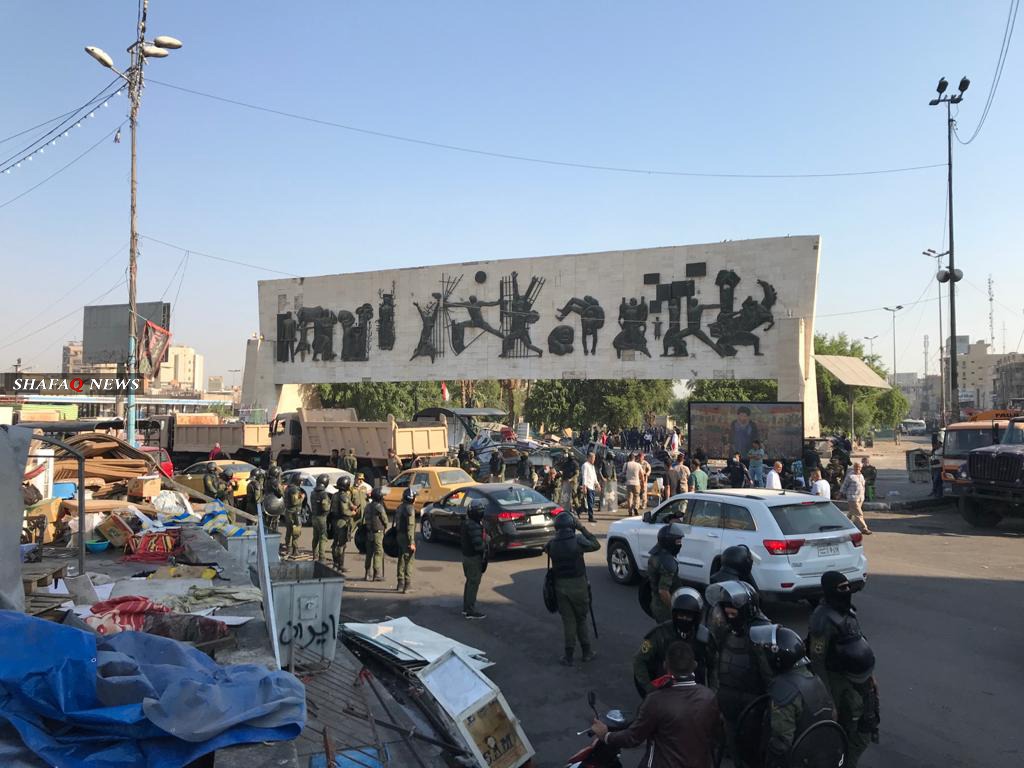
column 593, row 621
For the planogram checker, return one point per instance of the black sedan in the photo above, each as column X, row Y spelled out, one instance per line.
column 515, row 516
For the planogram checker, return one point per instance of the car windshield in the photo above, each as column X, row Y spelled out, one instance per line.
column 809, row 517
column 960, row 442
column 517, row 495
column 236, row 468
column 453, row 477
column 1014, row 435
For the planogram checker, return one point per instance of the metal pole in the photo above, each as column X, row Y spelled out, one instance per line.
column 81, row 515
column 135, row 94
column 954, row 380
column 942, row 372
column 894, row 348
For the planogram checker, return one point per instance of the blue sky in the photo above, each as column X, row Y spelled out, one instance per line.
column 737, row 88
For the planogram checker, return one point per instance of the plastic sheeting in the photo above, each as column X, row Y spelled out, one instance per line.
column 409, row 642
column 133, row 699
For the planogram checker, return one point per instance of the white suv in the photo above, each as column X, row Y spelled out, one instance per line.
column 793, row 537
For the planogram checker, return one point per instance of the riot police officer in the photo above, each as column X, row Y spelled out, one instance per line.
column 349, row 462
column 736, row 565
column 254, row 492
column 799, row 697
column 685, row 625
column 375, row 518
column 319, row 506
column 341, row 521
column 211, row 482
column 841, row 656
column 470, row 465
column 737, row 670
column 474, row 556
column 226, row 487
column 566, row 550
column 293, row 498
column 663, row 570
column 405, row 524
column 273, row 498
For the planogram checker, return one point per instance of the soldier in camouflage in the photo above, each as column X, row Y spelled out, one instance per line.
column 663, row 571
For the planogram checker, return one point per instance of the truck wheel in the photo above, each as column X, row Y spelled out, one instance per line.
column 978, row 516
column 621, row 564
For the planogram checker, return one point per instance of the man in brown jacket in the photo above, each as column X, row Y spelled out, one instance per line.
column 679, row 721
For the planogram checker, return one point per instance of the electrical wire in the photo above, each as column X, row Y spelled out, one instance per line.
column 539, row 160
column 1004, row 49
column 170, row 282
column 51, row 135
column 59, row 117
column 181, row 282
column 52, row 323
column 62, row 168
column 194, row 252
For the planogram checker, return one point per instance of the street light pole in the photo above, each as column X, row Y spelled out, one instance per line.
column 871, row 344
column 140, row 50
column 949, row 101
column 894, row 310
column 930, row 253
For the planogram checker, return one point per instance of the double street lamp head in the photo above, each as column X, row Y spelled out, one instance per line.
column 157, row 49
column 946, row 275
column 965, row 83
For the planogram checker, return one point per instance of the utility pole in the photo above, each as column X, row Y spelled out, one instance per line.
column 991, row 314
column 926, row 355
column 894, row 310
column 140, row 50
column 954, row 275
column 931, row 254
column 871, row 344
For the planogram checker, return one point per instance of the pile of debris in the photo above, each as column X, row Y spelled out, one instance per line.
column 110, row 464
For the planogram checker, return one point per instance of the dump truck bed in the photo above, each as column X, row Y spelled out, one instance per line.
column 323, row 430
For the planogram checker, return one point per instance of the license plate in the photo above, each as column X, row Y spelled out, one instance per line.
column 537, row 520
column 828, row 550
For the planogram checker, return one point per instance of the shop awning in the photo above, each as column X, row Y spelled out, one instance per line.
column 851, row 371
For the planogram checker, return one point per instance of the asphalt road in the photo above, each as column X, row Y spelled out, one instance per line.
column 942, row 610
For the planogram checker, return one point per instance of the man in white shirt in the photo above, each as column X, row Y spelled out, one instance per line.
column 820, row 487
column 773, row 480
column 634, row 474
column 590, row 483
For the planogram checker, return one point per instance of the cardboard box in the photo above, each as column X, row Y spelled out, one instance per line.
column 144, row 487
column 115, row 530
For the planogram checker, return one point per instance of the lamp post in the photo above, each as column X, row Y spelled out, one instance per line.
column 871, row 344
column 953, row 273
column 931, row 254
column 140, row 50
column 894, row 310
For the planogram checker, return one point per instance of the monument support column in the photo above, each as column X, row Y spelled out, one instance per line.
column 797, row 380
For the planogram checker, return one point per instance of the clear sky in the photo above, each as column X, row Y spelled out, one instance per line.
column 744, row 87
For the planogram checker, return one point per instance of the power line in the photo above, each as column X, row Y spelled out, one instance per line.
column 64, row 316
column 194, row 252
column 540, row 160
column 1004, row 49
column 62, row 168
column 58, row 117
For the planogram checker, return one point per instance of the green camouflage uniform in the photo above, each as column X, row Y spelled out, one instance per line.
column 662, row 577
column 293, row 524
column 375, row 518
column 405, row 521
column 319, row 506
column 342, row 520
column 349, row 463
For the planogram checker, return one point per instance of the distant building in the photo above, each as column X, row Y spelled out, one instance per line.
column 929, row 406
column 976, row 373
column 215, row 384
column 1009, row 380
column 71, row 358
column 183, row 370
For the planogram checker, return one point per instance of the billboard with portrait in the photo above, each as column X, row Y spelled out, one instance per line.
column 723, row 429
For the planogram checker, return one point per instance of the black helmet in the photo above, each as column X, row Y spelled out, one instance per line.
column 227, row 474
column 670, row 535
column 211, row 467
column 738, row 559
column 738, row 595
column 256, row 475
column 376, row 494
column 409, row 494
column 687, row 607
column 322, row 481
column 564, row 521
column 344, row 483
column 275, row 470
column 784, row 647
column 476, row 510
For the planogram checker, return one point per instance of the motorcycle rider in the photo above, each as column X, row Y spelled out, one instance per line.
column 375, row 518
column 341, row 520
column 736, row 565
column 841, row 656
column 566, row 550
column 663, row 570
column 737, row 671
column 685, row 625
column 679, row 720
column 405, row 522
column 293, row 498
column 799, row 697
column 319, row 506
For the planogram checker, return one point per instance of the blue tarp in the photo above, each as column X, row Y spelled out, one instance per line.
column 133, row 699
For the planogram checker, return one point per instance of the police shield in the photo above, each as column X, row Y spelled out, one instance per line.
column 752, row 728
column 391, row 542
column 644, row 596
column 823, row 745
column 360, row 539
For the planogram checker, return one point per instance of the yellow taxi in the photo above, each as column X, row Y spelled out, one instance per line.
column 193, row 476
column 431, row 483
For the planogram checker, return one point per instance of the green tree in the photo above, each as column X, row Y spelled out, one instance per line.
column 373, row 401
column 579, row 404
column 730, row 390
column 872, row 407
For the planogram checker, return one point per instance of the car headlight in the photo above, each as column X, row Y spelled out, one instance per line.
column 962, row 472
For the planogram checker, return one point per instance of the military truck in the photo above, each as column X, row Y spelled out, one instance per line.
column 307, row 436
column 996, row 479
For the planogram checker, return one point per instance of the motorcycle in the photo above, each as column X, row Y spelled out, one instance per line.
column 598, row 754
